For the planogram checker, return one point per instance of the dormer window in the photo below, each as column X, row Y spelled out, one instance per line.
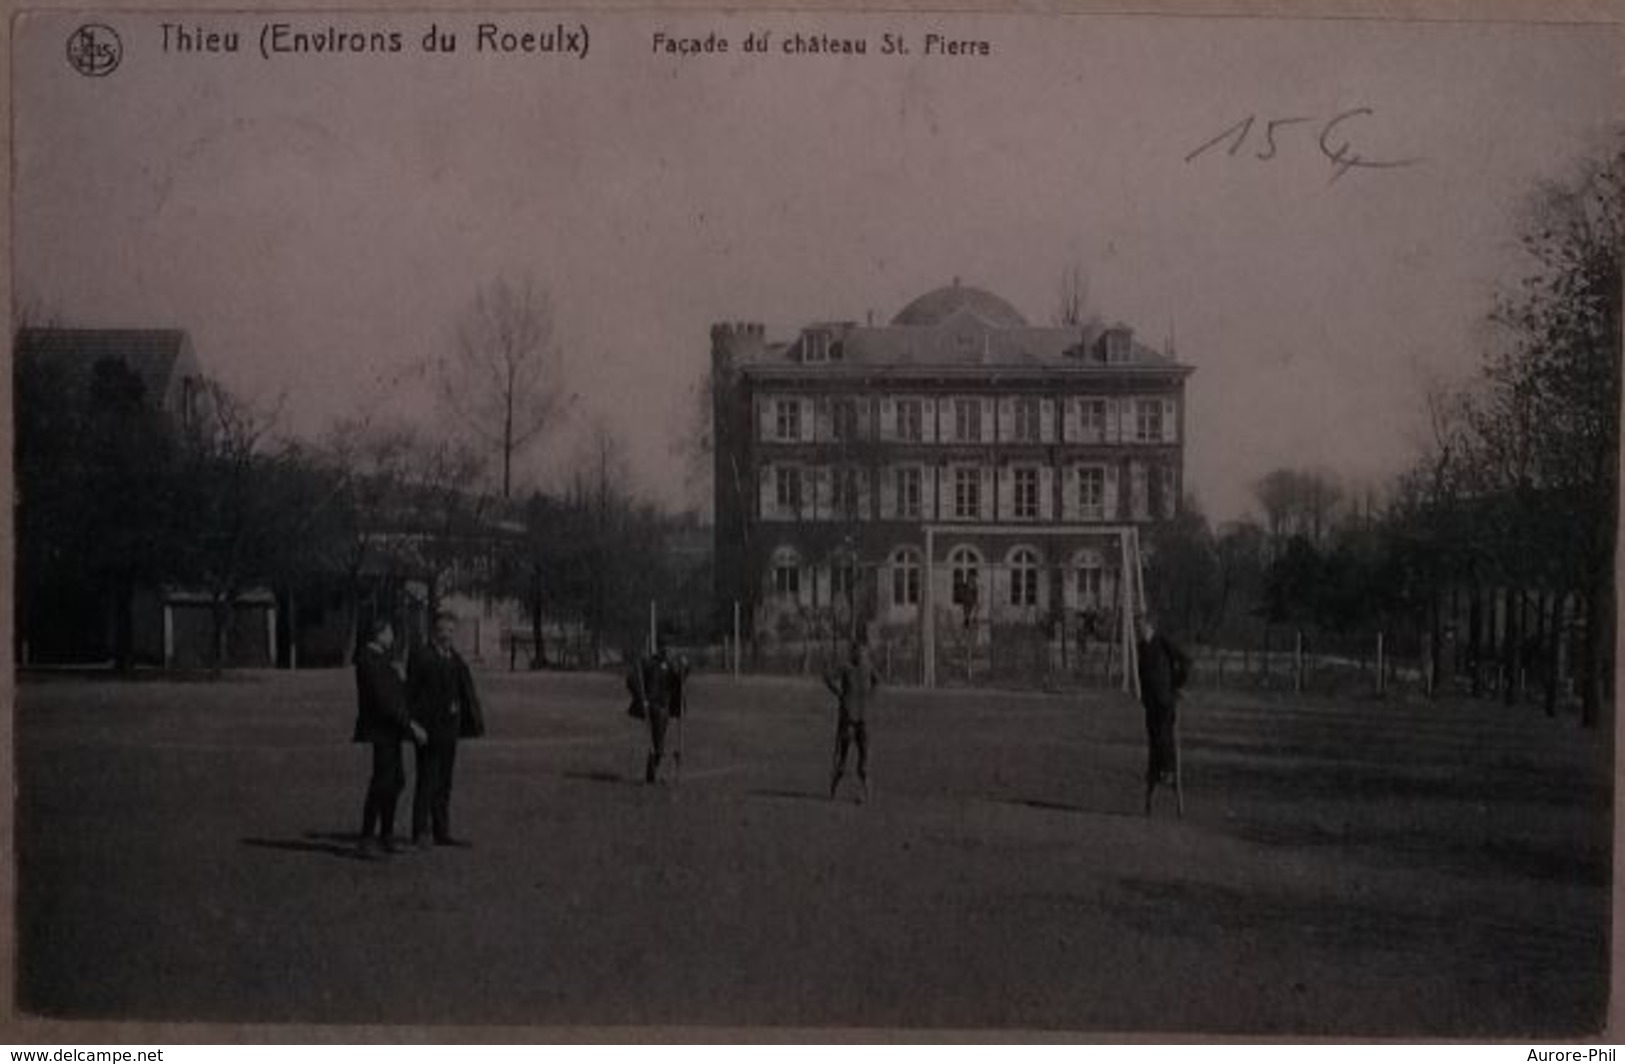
column 1118, row 343
column 815, row 345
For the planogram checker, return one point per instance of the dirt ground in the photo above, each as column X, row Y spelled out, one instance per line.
column 1379, row 868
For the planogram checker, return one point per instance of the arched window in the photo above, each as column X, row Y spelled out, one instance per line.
column 786, row 573
column 1024, row 577
column 843, row 576
column 966, row 566
column 905, row 577
column 1086, row 570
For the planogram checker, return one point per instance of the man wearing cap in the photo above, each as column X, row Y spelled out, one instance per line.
column 381, row 720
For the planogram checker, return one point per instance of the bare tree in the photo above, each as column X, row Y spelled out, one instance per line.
column 444, row 528
column 594, row 555
column 244, row 497
column 503, row 379
column 1556, row 392
column 1298, row 503
column 373, row 464
column 697, row 441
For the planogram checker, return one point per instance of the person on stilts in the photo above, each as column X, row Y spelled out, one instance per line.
column 656, row 684
column 1163, row 670
column 852, row 684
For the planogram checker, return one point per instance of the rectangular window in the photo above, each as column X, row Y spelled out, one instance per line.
column 844, row 419
column 787, row 420
column 815, row 346
column 908, row 492
column 1026, row 494
column 1027, row 427
column 843, row 581
column 1169, row 491
column 1140, row 500
column 1148, row 421
column 787, row 580
column 968, row 420
column 910, row 419
column 787, row 488
column 1092, row 493
column 967, row 494
column 848, row 494
column 1092, row 419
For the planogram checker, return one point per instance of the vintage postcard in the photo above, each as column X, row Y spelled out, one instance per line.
column 1077, row 524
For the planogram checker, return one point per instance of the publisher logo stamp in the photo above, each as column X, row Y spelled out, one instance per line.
column 94, row 50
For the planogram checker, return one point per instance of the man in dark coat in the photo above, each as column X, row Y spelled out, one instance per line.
column 440, row 692
column 382, row 720
column 852, row 684
column 657, row 695
column 1163, row 669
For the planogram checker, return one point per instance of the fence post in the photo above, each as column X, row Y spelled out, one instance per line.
column 737, row 645
column 1382, row 676
column 1297, row 664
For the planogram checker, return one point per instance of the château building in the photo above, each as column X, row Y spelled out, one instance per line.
column 1018, row 455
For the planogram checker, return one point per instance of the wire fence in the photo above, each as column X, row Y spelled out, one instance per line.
column 1073, row 650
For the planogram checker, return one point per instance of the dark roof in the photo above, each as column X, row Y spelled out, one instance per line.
column 150, row 354
column 970, row 347
column 958, row 328
column 938, row 305
column 1027, row 345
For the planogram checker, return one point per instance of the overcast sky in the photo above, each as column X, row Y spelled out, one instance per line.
column 317, row 223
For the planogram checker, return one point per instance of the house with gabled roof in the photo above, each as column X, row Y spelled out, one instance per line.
column 157, row 369
column 163, row 361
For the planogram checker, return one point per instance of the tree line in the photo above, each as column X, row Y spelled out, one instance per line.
column 1506, row 521
column 117, row 495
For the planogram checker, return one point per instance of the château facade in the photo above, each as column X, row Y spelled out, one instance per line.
column 1019, row 453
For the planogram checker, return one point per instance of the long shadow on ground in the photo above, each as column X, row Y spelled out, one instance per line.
column 327, row 845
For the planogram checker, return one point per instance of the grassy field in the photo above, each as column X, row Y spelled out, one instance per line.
column 185, row 853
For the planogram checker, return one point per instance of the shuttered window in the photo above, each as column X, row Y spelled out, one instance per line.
column 787, row 420
column 1028, row 429
column 1091, row 493
column 1148, row 421
column 905, row 578
column 1091, row 420
column 967, row 420
column 787, row 489
column 1026, row 493
column 967, row 493
column 908, row 491
column 909, row 420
